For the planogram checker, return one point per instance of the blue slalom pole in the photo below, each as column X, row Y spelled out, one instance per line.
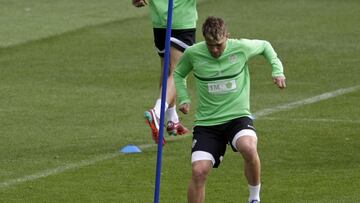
column 163, row 100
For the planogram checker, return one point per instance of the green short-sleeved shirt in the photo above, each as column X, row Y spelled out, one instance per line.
column 222, row 84
column 184, row 14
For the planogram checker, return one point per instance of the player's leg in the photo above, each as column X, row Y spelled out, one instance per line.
column 208, row 149
column 200, row 171
column 247, row 146
column 152, row 115
column 180, row 40
column 170, row 89
column 175, row 56
column 174, row 126
column 245, row 142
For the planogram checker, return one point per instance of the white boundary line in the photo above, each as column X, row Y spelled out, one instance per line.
column 57, row 170
column 311, row 100
column 91, row 161
column 325, row 120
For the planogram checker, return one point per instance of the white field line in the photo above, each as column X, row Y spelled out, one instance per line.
column 311, row 100
column 94, row 160
column 325, row 120
column 71, row 166
column 57, row 170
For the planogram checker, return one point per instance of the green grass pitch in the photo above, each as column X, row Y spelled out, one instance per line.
column 76, row 77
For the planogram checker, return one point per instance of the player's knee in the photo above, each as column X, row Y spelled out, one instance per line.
column 200, row 172
column 248, row 150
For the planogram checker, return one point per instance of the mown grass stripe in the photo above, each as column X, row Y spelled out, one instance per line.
column 261, row 113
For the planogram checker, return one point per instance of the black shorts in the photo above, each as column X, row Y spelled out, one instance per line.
column 214, row 139
column 180, row 39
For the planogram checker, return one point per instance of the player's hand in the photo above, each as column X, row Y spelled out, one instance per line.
column 280, row 81
column 139, row 3
column 185, row 108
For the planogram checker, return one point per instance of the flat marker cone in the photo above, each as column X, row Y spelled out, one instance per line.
column 128, row 149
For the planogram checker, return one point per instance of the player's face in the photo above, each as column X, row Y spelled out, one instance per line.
column 216, row 48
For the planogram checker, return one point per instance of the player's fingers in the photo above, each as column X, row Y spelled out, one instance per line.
column 138, row 3
column 282, row 84
column 185, row 108
column 280, row 81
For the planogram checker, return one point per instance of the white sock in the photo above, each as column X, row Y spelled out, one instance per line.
column 254, row 192
column 157, row 107
column 172, row 115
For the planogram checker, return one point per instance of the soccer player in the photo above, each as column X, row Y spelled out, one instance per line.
column 220, row 68
column 183, row 36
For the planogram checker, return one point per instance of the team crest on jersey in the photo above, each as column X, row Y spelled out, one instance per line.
column 233, row 58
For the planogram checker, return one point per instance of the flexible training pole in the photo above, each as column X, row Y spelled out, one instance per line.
column 163, row 100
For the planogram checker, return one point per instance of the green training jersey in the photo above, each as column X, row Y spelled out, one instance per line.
column 184, row 14
column 222, row 84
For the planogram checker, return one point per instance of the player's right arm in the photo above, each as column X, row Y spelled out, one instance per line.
column 183, row 68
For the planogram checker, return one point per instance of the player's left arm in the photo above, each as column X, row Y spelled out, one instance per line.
column 262, row 47
column 277, row 67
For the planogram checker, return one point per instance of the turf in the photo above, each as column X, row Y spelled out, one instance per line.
column 76, row 77
column 24, row 20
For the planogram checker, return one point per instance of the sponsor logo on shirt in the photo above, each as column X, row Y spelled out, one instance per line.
column 221, row 87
